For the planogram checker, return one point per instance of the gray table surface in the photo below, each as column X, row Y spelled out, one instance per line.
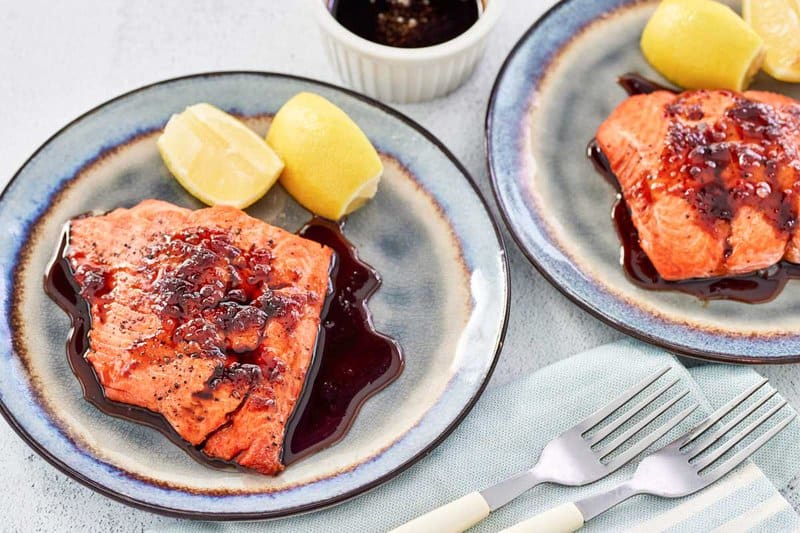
column 59, row 59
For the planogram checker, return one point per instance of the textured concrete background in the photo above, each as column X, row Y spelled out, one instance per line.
column 59, row 59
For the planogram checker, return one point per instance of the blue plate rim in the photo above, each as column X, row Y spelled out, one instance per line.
column 322, row 504
column 514, row 231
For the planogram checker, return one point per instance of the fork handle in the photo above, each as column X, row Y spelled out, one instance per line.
column 453, row 517
column 562, row 519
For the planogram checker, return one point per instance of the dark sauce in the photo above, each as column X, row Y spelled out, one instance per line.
column 350, row 364
column 634, row 83
column 354, row 362
column 406, row 23
column 712, row 201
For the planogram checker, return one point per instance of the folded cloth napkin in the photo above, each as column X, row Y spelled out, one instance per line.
column 509, row 427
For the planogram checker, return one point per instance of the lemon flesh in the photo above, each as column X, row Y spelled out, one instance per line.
column 332, row 169
column 216, row 158
column 778, row 23
column 702, row 44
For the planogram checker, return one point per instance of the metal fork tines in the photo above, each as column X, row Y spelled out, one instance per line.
column 691, row 462
column 586, row 452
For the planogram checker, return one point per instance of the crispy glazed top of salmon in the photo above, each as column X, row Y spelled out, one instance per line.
column 711, row 177
column 208, row 317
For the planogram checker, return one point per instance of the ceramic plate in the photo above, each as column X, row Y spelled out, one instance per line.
column 556, row 87
column 444, row 298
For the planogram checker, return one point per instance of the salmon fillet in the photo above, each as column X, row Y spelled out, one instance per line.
column 207, row 317
column 711, row 178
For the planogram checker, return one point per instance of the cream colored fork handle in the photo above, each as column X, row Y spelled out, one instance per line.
column 562, row 519
column 454, row 517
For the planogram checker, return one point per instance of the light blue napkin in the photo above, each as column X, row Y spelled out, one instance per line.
column 509, row 427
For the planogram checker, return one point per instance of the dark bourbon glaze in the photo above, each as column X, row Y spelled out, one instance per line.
column 351, row 361
column 713, row 202
column 634, row 83
column 354, row 362
column 406, row 23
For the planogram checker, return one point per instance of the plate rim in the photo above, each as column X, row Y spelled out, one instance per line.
column 515, row 232
column 98, row 487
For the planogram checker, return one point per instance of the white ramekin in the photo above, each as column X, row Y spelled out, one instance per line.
column 404, row 75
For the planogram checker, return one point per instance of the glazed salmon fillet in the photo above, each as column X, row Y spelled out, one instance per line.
column 208, row 317
column 711, row 178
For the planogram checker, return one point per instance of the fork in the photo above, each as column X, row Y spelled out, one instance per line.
column 569, row 459
column 675, row 470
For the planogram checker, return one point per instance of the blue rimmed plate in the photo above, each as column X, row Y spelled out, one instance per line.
column 444, row 298
column 556, row 87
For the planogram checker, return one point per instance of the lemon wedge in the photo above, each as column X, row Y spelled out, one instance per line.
column 778, row 23
column 702, row 44
column 331, row 167
column 216, row 158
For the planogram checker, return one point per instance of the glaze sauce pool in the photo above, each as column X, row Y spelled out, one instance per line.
column 354, row 361
column 634, row 83
column 351, row 361
column 406, row 23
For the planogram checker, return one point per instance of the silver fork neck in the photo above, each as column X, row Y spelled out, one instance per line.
column 498, row 495
column 596, row 504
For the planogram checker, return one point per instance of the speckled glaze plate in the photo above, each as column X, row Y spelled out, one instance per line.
column 444, row 298
column 556, row 87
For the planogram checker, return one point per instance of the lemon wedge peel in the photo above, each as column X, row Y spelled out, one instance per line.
column 216, row 158
column 331, row 167
column 702, row 44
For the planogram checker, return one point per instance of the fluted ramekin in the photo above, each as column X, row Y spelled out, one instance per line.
column 404, row 75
